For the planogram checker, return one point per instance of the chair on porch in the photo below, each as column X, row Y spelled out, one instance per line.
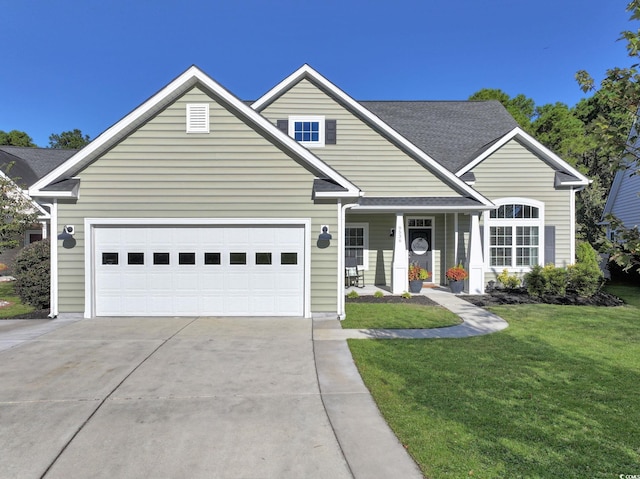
column 353, row 275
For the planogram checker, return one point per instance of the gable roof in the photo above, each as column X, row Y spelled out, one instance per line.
column 566, row 175
column 375, row 122
column 31, row 164
column 192, row 77
column 451, row 132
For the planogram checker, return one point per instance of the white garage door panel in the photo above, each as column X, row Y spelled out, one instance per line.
column 217, row 288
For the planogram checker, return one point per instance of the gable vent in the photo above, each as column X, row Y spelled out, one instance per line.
column 198, row 118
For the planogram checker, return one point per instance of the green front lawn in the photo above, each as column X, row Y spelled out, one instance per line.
column 16, row 307
column 555, row 395
column 397, row 316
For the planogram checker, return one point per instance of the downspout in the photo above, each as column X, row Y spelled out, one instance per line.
column 572, row 231
column 53, row 285
column 342, row 210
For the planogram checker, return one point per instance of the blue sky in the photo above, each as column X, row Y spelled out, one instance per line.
column 85, row 63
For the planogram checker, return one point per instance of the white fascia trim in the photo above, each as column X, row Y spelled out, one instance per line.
column 613, row 192
column 90, row 223
column 430, row 209
column 536, row 146
column 191, row 73
column 337, row 195
column 306, row 71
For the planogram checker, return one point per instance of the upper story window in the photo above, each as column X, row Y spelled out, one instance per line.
column 197, row 118
column 308, row 130
column 515, row 232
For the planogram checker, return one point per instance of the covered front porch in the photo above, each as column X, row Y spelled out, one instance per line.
column 385, row 243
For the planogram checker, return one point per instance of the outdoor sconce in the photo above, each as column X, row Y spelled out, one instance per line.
column 69, row 229
column 392, row 233
column 325, row 235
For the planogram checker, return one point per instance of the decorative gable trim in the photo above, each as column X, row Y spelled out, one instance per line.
column 305, row 71
column 190, row 78
column 573, row 176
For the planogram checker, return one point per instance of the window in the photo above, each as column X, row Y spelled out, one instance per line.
column 263, row 258
column 308, row 130
column 237, row 258
column 515, row 234
column 356, row 243
column 109, row 258
column 288, row 258
column 160, row 258
column 135, row 258
column 186, row 258
column 198, row 118
column 212, row 258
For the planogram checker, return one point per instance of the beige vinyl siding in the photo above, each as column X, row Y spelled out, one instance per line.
column 516, row 171
column 160, row 171
column 362, row 155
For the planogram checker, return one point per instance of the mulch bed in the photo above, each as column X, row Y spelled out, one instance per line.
column 39, row 314
column 520, row 296
column 416, row 299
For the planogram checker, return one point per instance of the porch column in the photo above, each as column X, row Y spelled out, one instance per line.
column 400, row 278
column 476, row 263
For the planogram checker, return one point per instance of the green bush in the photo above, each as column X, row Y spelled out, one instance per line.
column 353, row 295
column 32, row 273
column 509, row 281
column 378, row 294
column 556, row 280
column 547, row 280
column 535, row 281
column 585, row 277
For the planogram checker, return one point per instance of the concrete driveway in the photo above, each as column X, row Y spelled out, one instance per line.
column 178, row 398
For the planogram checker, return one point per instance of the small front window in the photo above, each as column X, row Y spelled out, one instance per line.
column 308, row 130
column 356, row 243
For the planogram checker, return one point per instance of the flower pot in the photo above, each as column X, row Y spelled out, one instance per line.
column 456, row 286
column 415, row 285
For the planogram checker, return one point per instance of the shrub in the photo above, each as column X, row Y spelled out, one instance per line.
column 32, row 273
column 353, row 295
column 509, row 281
column 406, row 295
column 556, row 279
column 536, row 281
column 585, row 277
column 378, row 294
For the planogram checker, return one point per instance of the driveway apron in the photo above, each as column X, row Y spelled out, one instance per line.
column 166, row 398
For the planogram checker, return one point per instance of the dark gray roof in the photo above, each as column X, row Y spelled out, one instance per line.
column 31, row 164
column 69, row 185
column 451, row 132
column 426, row 201
column 325, row 185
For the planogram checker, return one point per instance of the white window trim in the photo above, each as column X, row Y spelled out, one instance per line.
column 321, row 132
column 488, row 222
column 199, row 110
column 27, row 233
column 365, row 247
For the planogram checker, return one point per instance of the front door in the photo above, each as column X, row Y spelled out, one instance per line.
column 420, row 244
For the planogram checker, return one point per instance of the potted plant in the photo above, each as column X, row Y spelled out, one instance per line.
column 417, row 275
column 456, row 277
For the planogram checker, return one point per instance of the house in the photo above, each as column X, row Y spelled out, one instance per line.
column 197, row 203
column 624, row 196
column 23, row 167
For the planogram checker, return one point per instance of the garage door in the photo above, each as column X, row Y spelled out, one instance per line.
column 199, row 271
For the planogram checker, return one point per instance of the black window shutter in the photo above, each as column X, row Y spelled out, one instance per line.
column 330, row 132
column 550, row 244
column 283, row 126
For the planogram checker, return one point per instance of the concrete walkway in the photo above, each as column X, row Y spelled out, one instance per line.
column 476, row 322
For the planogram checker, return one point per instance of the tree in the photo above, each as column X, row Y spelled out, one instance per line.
column 69, row 140
column 560, row 130
column 613, row 113
column 17, row 213
column 520, row 107
column 16, row 138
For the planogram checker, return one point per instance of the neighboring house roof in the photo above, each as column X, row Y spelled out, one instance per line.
column 31, row 164
column 193, row 76
column 451, row 132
